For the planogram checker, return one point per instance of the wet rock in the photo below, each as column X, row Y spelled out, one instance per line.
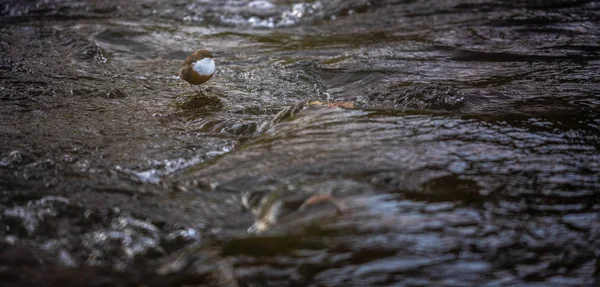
column 450, row 188
column 91, row 52
column 180, row 238
column 417, row 96
column 240, row 129
column 115, row 93
column 176, row 264
column 201, row 103
column 335, row 9
column 190, row 268
column 82, row 92
column 284, row 114
column 269, row 245
column 291, row 209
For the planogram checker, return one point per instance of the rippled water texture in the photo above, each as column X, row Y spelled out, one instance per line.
column 340, row 143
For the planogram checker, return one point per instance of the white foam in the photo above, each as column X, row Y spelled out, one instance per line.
column 205, row 67
column 153, row 175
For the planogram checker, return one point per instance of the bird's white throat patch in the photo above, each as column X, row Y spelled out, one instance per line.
column 205, row 67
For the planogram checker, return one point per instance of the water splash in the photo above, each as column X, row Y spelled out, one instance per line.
column 166, row 167
column 31, row 215
column 126, row 238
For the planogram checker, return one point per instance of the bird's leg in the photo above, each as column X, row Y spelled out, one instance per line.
column 201, row 89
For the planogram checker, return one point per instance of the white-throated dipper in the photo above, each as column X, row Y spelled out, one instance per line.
column 198, row 67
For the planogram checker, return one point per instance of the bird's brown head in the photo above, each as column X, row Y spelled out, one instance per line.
column 201, row 54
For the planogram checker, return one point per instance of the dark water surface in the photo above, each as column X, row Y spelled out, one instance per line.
column 466, row 152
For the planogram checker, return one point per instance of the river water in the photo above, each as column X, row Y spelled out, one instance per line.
column 340, row 143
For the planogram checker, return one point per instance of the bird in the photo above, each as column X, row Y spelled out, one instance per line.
column 198, row 67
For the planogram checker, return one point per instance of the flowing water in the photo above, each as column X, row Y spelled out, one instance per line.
column 340, row 143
